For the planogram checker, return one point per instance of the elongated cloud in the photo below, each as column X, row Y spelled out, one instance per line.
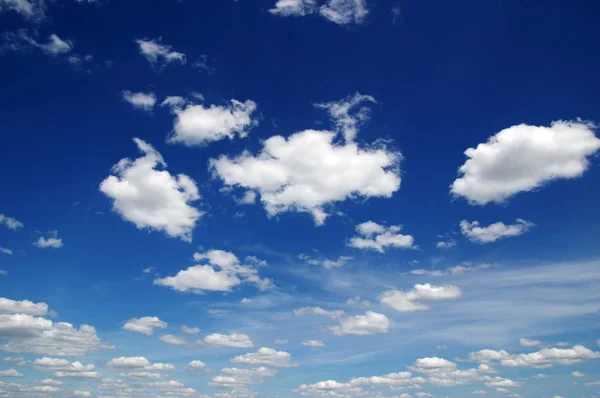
column 415, row 299
column 495, row 231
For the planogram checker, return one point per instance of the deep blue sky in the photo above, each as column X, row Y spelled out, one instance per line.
column 445, row 75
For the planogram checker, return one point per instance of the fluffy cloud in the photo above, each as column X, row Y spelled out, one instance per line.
column 189, row 330
column 143, row 101
column 6, row 251
column 522, row 158
column 174, row 340
column 23, row 41
column 377, row 237
column 329, row 388
column 494, row 231
column 27, row 307
column 153, row 198
column 128, row 363
column 310, row 170
column 446, row 244
column 10, row 222
column 223, row 272
column 543, row 358
column 341, row 12
column 346, row 114
column 412, row 300
column 197, row 365
column 52, row 241
column 10, row 373
column 79, row 393
column 266, row 356
column 313, row 343
column 577, row 374
column 361, row 325
column 159, row 55
column 36, row 335
column 29, row 9
column 145, row 325
column 197, row 125
column 61, row 364
column 233, row 340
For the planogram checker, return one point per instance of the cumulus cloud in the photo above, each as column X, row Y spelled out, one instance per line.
column 361, row 325
column 341, row 12
column 51, row 241
column 347, row 115
column 412, row 300
column 310, row 170
column 4, row 250
column 197, row 125
column 233, row 340
column 306, row 311
column 189, row 330
column 145, row 325
column 373, row 236
column 174, row 340
column 522, row 158
column 37, row 335
column 28, row 9
column 22, row 40
column 61, row 364
column 9, row 222
column 475, row 233
column 223, row 272
column 152, row 198
column 544, row 358
column 159, row 55
column 128, row 362
column 142, row 101
column 530, row 343
column 266, row 356
column 313, row 343
column 8, row 306
column 10, row 373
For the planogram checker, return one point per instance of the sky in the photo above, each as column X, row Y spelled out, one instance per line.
column 299, row 198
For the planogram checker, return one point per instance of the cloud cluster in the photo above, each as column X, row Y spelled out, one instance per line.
column 159, row 55
column 145, row 325
column 495, row 231
column 51, row 241
column 522, row 158
column 412, row 300
column 373, row 236
column 142, row 101
column 341, row 12
column 152, row 198
column 223, row 272
column 361, row 325
column 544, row 358
column 266, row 356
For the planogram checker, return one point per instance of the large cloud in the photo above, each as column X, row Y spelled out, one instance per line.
column 197, row 125
column 412, row 300
column 543, row 358
column 522, row 158
column 310, row 170
column 27, row 307
column 223, row 272
column 153, row 198
column 266, row 356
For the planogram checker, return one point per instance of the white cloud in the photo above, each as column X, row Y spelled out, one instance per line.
column 160, row 367
column 61, row 364
column 23, row 41
column 341, row 12
column 310, row 170
column 159, row 55
column 197, row 365
column 522, row 158
column 56, row 46
column 361, row 325
column 50, row 382
column 143, row 101
column 153, row 198
column 6, row 251
column 189, row 330
column 223, row 272
column 456, row 270
column 174, row 102
column 36, row 335
column 197, row 125
column 249, row 198
column 592, row 384
column 577, row 374
column 377, row 237
column 52, row 241
column 412, row 300
column 479, row 392
column 280, row 341
column 175, row 340
column 145, row 325
column 3, row 272
column 543, row 358
column 502, row 382
column 306, row 311
column 326, row 263
column 530, row 343
column 233, row 340
column 10, row 222
column 494, row 231
column 266, row 356
column 79, row 393
column 27, row 307
column 343, row 114
column 128, row 363
column 10, row 373
column 329, row 388
column 29, row 9
column 313, row 343
column 446, row 244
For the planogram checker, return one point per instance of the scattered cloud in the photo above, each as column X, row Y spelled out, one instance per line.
column 51, row 241
column 362, row 325
column 544, row 358
column 8, row 306
column 347, row 115
column 190, row 330
column 174, row 340
column 325, row 263
column 142, row 101
column 341, row 12
column 22, row 40
column 158, row 54
column 495, row 231
column 10, row 373
column 223, row 272
column 373, row 236
column 233, row 340
column 456, row 270
column 313, row 343
column 577, row 374
column 523, row 158
column 145, row 325
column 10, row 222
column 33, row 10
column 153, row 198
column 203, row 64
column 412, row 300
column 266, row 356
column 530, row 343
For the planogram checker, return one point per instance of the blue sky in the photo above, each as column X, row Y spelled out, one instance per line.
column 283, row 198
